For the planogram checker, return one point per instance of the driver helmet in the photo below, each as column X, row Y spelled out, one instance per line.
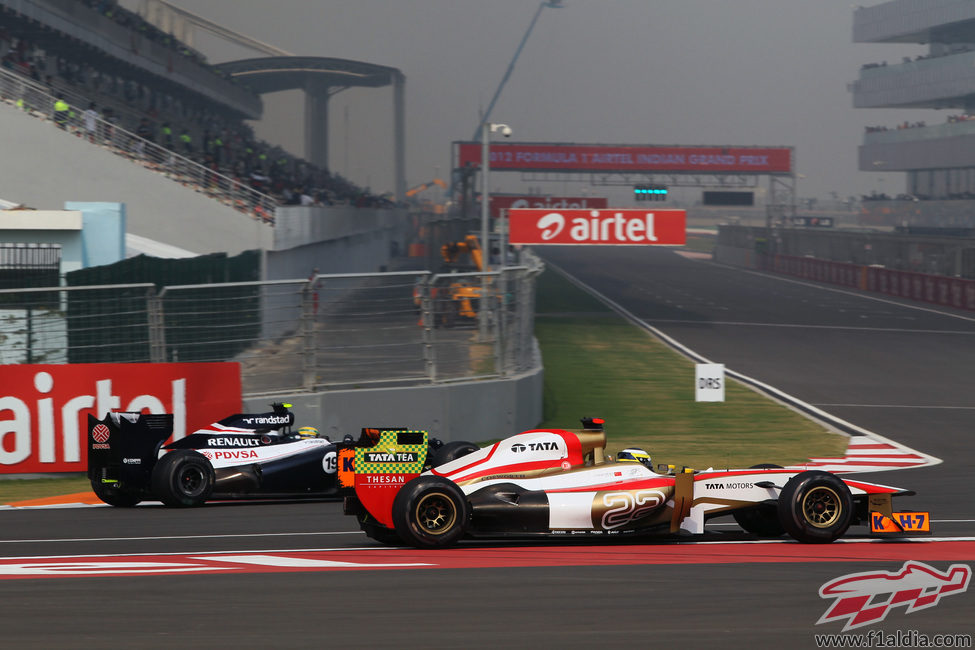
column 307, row 432
column 634, row 455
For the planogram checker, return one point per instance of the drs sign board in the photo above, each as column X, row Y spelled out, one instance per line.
column 44, row 408
column 709, row 382
column 626, row 227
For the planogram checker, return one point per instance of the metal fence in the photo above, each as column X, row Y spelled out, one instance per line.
column 37, row 100
column 327, row 332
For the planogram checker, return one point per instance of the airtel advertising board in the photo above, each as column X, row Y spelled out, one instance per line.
column 44, row 408
column 499, row 203
column 626, row 227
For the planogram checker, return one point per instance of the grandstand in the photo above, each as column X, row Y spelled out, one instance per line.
column 938, row 156
column 157, row 102
column 44, row 167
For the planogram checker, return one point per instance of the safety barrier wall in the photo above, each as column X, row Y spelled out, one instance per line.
column 466, row 410
column 957, row 293
column 945, row 254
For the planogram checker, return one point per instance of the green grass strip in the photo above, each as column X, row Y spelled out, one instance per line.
column 14, row 490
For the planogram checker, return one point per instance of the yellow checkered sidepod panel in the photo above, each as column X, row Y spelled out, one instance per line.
column 382, row 469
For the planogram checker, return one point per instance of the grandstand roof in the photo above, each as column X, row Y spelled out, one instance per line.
column 277, row 73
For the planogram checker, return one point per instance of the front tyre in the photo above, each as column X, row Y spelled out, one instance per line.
column 113, row 496
column 430, row 512
column 762, row 521
column 815, row 507
column 183, row 478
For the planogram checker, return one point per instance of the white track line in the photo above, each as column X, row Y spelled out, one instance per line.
column 160, row 538
column 381, row 549
column 899, row 406
column 853, row 328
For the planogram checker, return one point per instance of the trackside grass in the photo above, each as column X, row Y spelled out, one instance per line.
column 14, row 490
column 597, row 364
column 700, row 243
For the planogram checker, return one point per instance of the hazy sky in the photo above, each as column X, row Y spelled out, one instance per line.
column 694, row 72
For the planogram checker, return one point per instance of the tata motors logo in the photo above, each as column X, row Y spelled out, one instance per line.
column 611, row 226
column 866, row 598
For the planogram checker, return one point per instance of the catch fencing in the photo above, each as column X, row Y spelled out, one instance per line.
column 326, row 332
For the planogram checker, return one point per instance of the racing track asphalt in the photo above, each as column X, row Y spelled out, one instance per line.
column 897, row 371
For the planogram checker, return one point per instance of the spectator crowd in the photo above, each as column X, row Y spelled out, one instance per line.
column 107, row 103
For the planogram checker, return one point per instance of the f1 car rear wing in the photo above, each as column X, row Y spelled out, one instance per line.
column 123, row 447
column 280, row 418
column 380, row 463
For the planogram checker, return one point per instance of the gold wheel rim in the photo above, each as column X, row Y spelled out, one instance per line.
column 822, row 507
column 436, row 513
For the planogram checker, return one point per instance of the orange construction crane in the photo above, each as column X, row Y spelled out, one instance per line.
column 413, row 191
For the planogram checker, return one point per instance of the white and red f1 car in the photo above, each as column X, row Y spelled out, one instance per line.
column 558, row 483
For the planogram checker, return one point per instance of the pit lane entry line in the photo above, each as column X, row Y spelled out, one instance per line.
column 229, row 562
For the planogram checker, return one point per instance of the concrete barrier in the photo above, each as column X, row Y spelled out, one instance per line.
column 473, row 411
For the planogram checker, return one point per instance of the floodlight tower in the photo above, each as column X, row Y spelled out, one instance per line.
column 555, row 4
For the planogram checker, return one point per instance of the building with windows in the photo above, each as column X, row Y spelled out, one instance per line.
column 937, row 155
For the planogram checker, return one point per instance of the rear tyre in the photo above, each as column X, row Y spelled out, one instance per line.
column 815, row 507
column 183, row 478
column 451, row 451
column 113, row 496
column 762, row 521
column 430, row 512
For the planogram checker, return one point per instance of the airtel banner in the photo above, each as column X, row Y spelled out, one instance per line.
column 44, row 408
column 499, row 203
column 613, row 226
